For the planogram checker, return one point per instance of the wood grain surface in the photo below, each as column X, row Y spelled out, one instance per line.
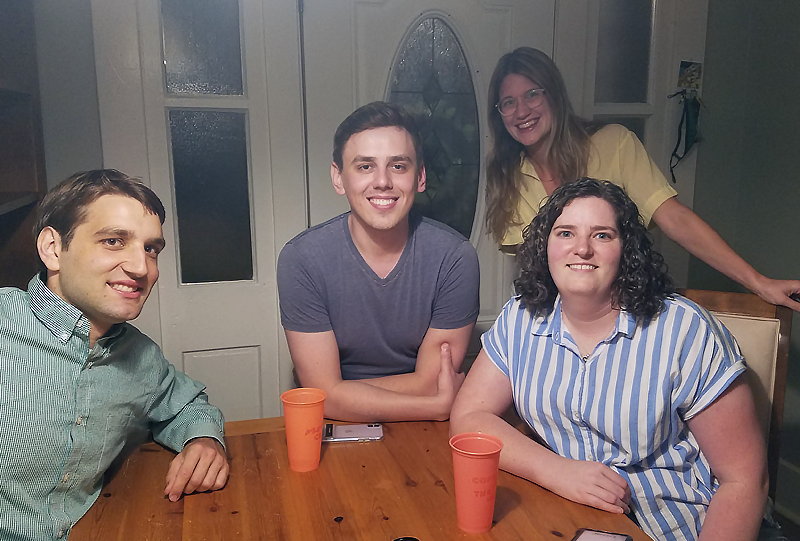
column 402, row 486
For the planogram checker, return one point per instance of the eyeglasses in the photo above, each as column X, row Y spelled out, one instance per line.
column 532, row 98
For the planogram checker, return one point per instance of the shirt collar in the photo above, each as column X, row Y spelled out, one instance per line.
column 552, row 324
column 526, row 167
column 61, row 318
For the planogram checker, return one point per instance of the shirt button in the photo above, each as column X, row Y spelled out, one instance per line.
column 60, row 534
column 576, row 416
column 65, row 478
column 79, row 421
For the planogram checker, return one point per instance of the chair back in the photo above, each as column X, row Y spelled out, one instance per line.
column 762, row 331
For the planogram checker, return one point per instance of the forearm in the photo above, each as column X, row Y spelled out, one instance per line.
column 683, row 226
column 362, row 402
column 411, row 384
column 735, row 512
column 520, row 455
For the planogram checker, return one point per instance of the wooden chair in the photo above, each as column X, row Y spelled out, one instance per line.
column 762, row 331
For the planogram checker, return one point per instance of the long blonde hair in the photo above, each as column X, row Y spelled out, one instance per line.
column 567, row 142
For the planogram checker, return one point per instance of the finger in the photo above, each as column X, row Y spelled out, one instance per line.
column 446, row 356
column 183, row 477
column 199, row 473
column 222, row 477
column 210, row 478
column 174, row 467
column 603, row 505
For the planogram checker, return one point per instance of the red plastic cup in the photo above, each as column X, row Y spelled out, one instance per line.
column 475, row 460
column 303, row 410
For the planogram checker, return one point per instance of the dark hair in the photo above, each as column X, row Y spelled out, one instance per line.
column 642, row 283
column 567, row 143
column 377, row 114
column 65, row 206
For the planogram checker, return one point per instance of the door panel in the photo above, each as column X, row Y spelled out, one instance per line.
column 226, row 333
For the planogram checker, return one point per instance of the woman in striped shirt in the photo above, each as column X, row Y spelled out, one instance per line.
column 633, row 390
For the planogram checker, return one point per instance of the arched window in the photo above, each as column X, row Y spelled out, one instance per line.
column 432, row 81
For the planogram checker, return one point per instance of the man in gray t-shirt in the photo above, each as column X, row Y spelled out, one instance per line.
column 378, row 304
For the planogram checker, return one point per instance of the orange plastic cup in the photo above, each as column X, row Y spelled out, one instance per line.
column 475, row 460
column 303, row 413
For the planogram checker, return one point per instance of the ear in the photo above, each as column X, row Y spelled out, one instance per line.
column 421, row 180
column 48, row 244
column 336, row 179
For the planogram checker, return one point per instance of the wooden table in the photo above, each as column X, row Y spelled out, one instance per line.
column 402, row 486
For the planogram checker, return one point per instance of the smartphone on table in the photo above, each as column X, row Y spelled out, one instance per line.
column 587, row 534
column 362, row 433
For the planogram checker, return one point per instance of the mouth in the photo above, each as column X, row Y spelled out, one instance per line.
column 528, row 125
column 382, row 202
column 127, row 290
column 582, row 267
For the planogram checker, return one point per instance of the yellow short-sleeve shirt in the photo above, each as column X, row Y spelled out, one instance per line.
column 616, row 155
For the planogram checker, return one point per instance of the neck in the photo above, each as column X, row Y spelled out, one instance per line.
column 538, row 158
column 380, row 248
column 589, row 322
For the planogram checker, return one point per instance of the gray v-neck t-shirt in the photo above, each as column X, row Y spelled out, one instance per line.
column 379, row 323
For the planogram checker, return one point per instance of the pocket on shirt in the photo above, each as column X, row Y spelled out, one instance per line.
column 114, row 437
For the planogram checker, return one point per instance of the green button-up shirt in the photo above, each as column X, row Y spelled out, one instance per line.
column 67, row 411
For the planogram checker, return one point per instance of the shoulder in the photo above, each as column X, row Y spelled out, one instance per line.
column 139, row 347
column 429, row 232
column 611, row 134
column 13, row 301
column 320, row 235
column 693, row 321
column 315, row 242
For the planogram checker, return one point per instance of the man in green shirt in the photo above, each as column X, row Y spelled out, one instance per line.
column 79, row 385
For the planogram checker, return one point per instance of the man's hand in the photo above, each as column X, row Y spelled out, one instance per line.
column 201, row 466
column 448, row 384
column 592, row 483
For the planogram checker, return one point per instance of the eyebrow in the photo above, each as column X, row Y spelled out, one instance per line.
column 592, row 228
column 398, row 158
column 126, row 234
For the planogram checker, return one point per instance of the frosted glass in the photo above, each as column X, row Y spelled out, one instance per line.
column 202, row 52
column 209, row 162
column 433, row 82
column 623, row 51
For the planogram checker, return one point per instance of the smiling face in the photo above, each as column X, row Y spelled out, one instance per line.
column 584, row 250
column 110, row 265
column 527, row 125
column 379, row 176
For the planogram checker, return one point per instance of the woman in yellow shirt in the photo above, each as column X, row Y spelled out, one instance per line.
column 540, row 143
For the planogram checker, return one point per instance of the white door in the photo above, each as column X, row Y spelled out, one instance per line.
column 206, row 106
column 352, row 48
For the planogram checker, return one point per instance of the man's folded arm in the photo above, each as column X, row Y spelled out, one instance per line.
column 316, row 360
column 423, row 380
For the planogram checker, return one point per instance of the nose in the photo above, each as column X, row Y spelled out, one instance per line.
column 522, row 108
column 135, row 264
column 583, row 246
column 382, row 180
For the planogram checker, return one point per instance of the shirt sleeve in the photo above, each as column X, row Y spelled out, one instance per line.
column 302, row 302
column 711, row 361
column 495, row 340
column 458, row 297
column 641, row 178
column 179, row 411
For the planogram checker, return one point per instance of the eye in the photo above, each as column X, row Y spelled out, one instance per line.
column 564, row 234
column 532, row 93
column 399, row 166
column 364, row 167
column 112, row 243
column 152, row 250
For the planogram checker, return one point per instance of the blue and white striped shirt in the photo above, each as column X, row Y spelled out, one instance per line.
column 67, row 411
column 627, row 404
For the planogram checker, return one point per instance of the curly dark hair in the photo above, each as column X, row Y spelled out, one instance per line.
column 642, row 283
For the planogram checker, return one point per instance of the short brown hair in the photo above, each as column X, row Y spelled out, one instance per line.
column 377, row 114
column 65, row 206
